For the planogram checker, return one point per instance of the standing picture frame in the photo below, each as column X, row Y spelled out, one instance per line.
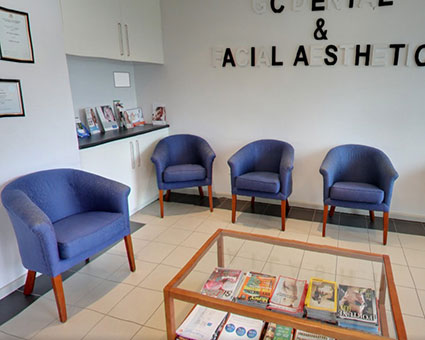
column 15, row 36
column 11, row 100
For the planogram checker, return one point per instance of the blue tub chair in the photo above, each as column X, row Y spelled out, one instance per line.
column 62, row 217
column 262, row 169
column 358, row 177
column 183, row 161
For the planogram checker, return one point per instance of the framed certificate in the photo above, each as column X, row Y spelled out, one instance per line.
column 15, row 36
column 11, row 103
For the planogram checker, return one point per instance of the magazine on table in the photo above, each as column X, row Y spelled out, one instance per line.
column 321, row 300
column 92, row 121
column 303, row 335
column 241, row 328
column 289, row 296
column 223, row 283
column 107, row 118
column 257, row 289
column 277, row 332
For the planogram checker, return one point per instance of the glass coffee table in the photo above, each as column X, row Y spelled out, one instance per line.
column 391, row 320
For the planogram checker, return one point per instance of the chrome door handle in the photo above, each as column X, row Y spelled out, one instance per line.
column 138, row 153
column 128, row 40
column 120, row 38
column 133, row 163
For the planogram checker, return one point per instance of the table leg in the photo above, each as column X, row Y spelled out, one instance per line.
column 170, row 320
column 220, row 251
column 381, row 302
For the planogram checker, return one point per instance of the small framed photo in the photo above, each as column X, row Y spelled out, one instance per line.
column 15, row 36
column 11, row 101
column 122, row 79
column 159, row 114
column 136, row 116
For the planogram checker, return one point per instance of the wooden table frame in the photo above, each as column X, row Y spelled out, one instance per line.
column 171, row 291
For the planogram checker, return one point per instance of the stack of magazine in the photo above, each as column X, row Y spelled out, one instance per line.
column 241, row 328
column 277, row 332
column 223, row 283
column 303, row 335
column 256, row 290
column 357, row 309
column 321, row 300
column 289, row 296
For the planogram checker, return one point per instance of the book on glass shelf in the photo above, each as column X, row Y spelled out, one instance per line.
column 201, row 324
column 223, row 283
column 277, row 332
column 256, row 289
column 289, row 296
column 321, row 300
column 241, row 328
column 303, row 335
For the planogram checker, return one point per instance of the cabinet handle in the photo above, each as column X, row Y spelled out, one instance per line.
column 133, row 163
column 128, row 40
column 138, row 153
column 120, row 38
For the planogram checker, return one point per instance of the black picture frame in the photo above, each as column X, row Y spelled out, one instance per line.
column 19, row 96
column 31, row 49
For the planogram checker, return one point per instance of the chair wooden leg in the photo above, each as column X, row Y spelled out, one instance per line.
column 283, row 213
column 372, row 215
column 287, row 207
column 29, row 283
column 201, row 192
column 130, row 253
column 325, row 218
column 332, row 212
column 252, row 202
column 161, row 203
column 60, row 297
column 234, row 208
column 386, row 221
column 210, row 198
column 167, row 195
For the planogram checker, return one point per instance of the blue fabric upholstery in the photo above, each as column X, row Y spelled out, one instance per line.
column 269, row 162
column 184, row 153
column 184, row 172
column 259, row 181
column 367, row 174
column 43, row 207
column 357, row 192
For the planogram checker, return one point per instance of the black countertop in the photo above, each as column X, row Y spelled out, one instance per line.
column 110, row 136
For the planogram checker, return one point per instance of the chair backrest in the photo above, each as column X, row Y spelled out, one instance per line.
column 53, row 191
column 268, row 154
column 182, row 149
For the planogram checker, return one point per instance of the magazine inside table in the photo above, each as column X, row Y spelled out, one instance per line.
column 390, row 317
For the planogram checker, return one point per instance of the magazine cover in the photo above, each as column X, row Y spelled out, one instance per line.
column 257, row 288
column 241, row 328
column 222, row 283
column 289, row 293
column 106, row 117
column 302, row 335
column 159, row 114
column 321, row 295
column 92, row 122
column 82, row 131
column 136, row 116
column 277, row 332
column 356, row 303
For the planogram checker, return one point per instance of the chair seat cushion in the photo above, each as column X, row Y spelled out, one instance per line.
column 357, row 192
column 79, row 233
column 184, row 172
column 263, row 181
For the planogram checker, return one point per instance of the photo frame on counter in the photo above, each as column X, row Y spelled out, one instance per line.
column 15, row 36
column 11, row 100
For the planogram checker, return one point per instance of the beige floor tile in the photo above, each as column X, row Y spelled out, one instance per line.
column 155, row 252
column 255, row 250
column 271, row 222
column 327, row 241
column 144, row 216
column 79, row 323
column 353, row 234
column 179, row 256
column 4, row 336
column 415, row 258
column 240, row 227
column 159, row 277
column 119, row 249
column 246, row 265
column 421, row 294
column 210, row 226
column 195, row 240
column 267, row 231
column 104, row 266
column 104, row 297
column 347, row 266
column 147, row 333
column 332, row 230
column 289, row 235
column 195, row 281
column 319, row 261
column 209, row 262
column 189, row 223
column 355, row 281
column 280, row 269
column 376, row 237
column 222, row 215
column 248, row 220
column 409, row 301
column 231, row 245
column 355, row 245
column 149, row 232
column 412, row 241
column 124, row 275
column 170, row 218
column 137, row 306
column 181, row 310
column 306, row 274
column 298, row 226
column 286, row 256
column 402, row 276
column 418, row 275
column 414, row 327
column 32, row 320
column 396, row 253
column 111, row 328
column 173, row 235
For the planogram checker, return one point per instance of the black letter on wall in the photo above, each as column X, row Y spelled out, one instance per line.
column 330, row 52
column 315, row 7
column 385, row 3
column 418, row 54
column 228, row 58
column 274, row 9
column 397, row 48
column 252, row 56
column 365, row 55
column 274, row 62
column 351, row 4
column 301, row 56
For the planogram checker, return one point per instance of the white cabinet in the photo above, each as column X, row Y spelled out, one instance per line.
column 127, row 161
column 116, row 29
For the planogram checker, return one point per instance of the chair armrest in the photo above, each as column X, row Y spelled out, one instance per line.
column 100, row 193
column 241, row 162
column 160, row 159
column 387, row 177
column 207, row 156
column 285, row 170
column 329, row 171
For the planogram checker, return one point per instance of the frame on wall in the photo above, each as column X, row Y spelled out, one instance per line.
column 122, row 79
column 11, row 101
column 15, row 36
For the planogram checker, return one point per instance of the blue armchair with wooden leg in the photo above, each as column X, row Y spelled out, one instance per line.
column 183, row 161
column 262, row 169
column 62, row 217
column 358, row 177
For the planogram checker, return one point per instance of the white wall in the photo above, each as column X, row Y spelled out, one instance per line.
column 313, row 108
column 45, row 137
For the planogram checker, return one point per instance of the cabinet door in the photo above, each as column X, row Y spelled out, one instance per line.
column 93, row 28
column 142, row 30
